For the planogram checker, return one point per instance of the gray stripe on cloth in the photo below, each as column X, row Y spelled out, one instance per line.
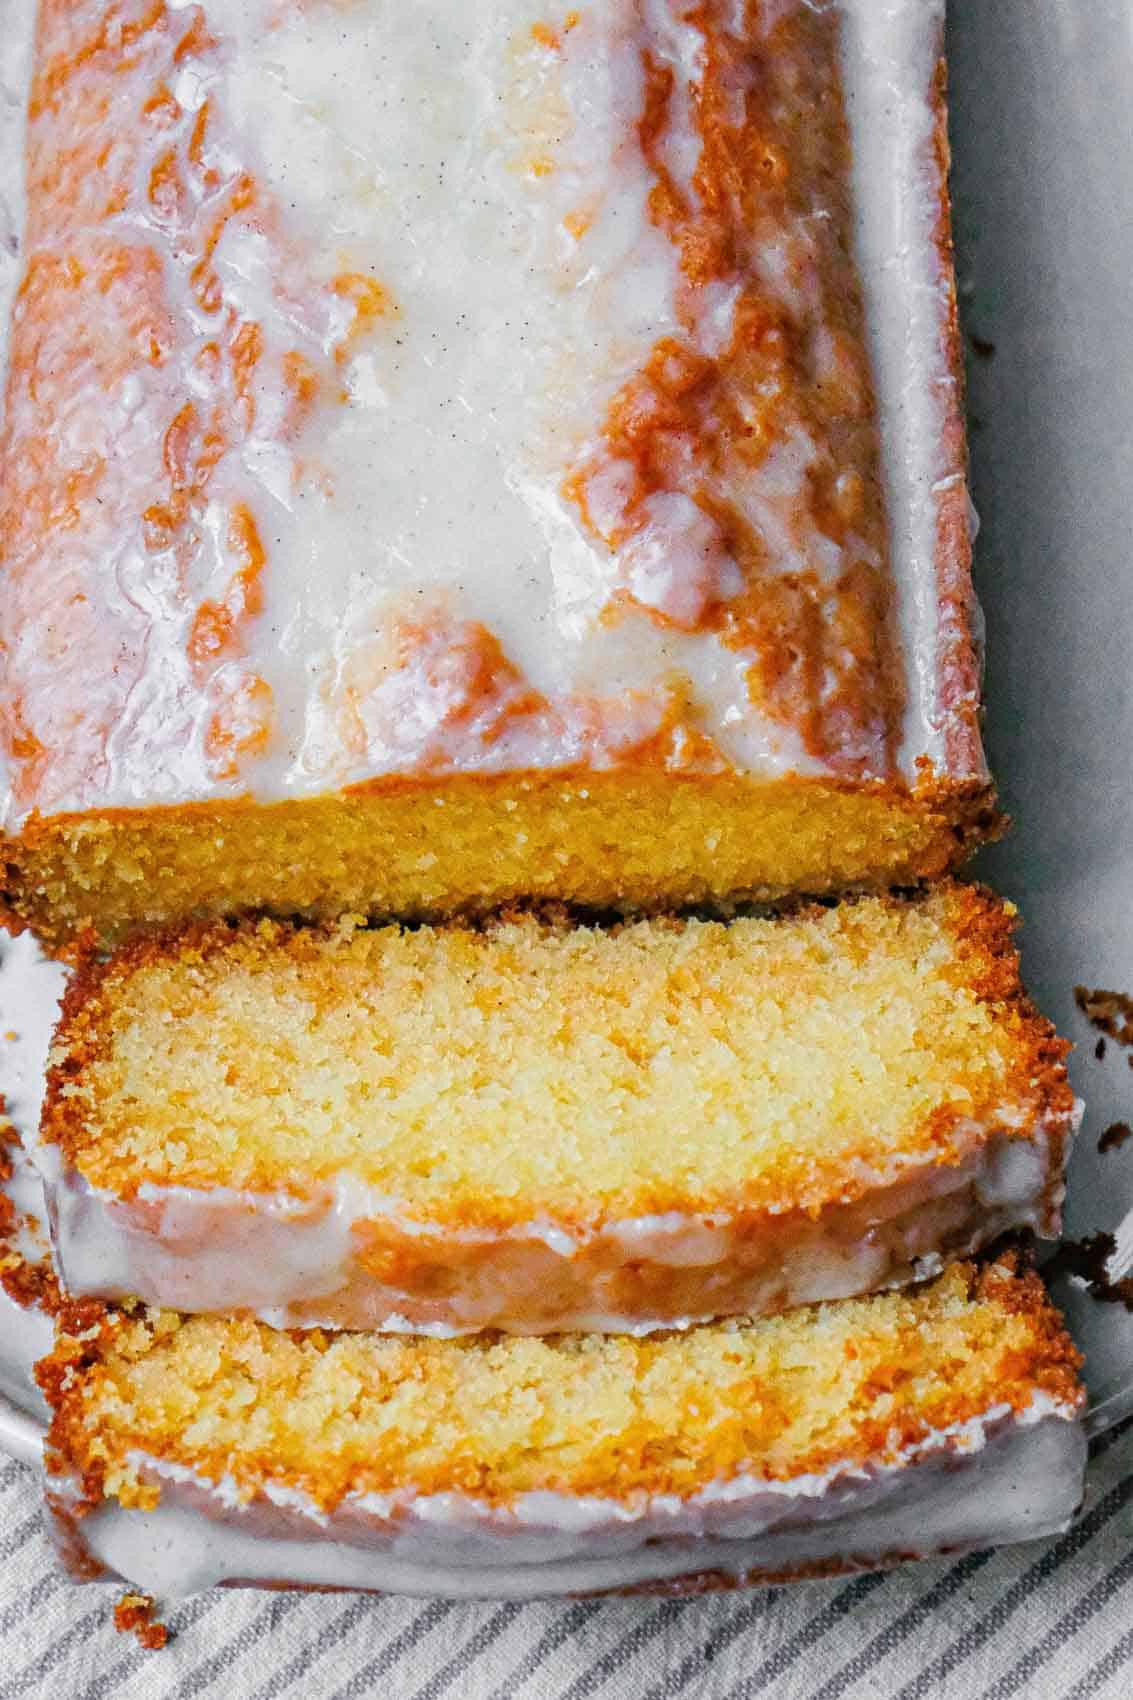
column 329, row 1635
column 614, row 1658
column 792, row 1650
column 694, row 1663
column 49, row 1583
column 572, row 1619
column 462, row 1660
column 1067, row 1626
column 21, row 1534
column 977, row 1634
column 110, row 1681
column 1107, row 1666
column 47, row 1658
column 13, row 1471
column 677, row 1680
column 421, row 1626
column 278, row 1607
column 248, row 1635
column 901, row 1627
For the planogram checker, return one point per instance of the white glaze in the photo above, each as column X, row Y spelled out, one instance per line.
column 995, row 1478
column 295, row 1261
column 31, row 987
column 435, row 485
column 535, row 330
column 893, row 46
column 15, row 63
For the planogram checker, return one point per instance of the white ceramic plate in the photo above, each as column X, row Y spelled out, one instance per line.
column 1044, row 202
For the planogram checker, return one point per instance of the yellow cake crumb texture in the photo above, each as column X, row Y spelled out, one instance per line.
column 632, row 839
column 493, row 1417
column 585, row 1073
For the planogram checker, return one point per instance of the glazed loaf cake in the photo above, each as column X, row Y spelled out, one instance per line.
column 541, row 1125
column 186, row 1452
column 426, row 487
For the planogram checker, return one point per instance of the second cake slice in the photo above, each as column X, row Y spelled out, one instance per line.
column 537, row 1125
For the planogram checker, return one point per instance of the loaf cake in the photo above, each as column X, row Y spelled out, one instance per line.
column 531, row 468
column 190, row 1451
column 543, row 1125
column 484, row 514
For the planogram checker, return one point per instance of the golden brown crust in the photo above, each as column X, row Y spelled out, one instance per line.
column 483, row 1260
column 986, row 927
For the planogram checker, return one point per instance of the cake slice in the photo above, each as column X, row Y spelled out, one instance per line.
column 539, row 1125
column 546, row 479
column 190, row 1451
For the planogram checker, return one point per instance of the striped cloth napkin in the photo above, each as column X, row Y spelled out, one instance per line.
column 1050, row 1621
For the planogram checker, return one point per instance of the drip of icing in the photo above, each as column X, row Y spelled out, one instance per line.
column 893, row 49
column 296, row 1261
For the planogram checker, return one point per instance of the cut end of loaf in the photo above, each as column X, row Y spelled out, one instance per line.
column 632, row 841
